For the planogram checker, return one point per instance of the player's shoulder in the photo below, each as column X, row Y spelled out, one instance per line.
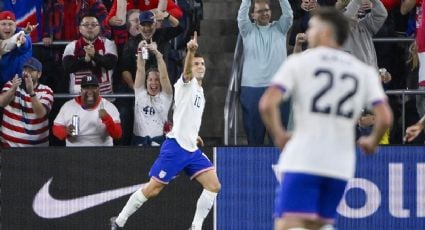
column 341, row 57
column 294, row 58
column 314, row 53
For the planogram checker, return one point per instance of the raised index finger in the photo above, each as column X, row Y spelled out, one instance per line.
column 195, row 36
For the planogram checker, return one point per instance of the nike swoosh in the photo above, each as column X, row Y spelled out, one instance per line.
column 46, row 206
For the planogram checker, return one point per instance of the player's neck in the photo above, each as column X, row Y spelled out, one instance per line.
column 330, row 43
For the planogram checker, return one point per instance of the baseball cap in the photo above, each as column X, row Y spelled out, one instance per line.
column 146, row 16
column 7, row 15
column 34, row 64
column 89, row 80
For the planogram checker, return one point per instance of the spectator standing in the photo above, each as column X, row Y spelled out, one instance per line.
column 91, row 55
column 153, row 96
column 302, row 11
column 363, row 26
column 12, row 60
column 126, row 105
column 60, row 23
column 264, row 51
column 366, row 19
column 418, row 49
column 164, row 10
column 98, row 119
column 26, row 109
column 148, row 32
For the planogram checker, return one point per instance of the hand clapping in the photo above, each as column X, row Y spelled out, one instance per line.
column 16, row 81
column 28, row 82
column 90, row 51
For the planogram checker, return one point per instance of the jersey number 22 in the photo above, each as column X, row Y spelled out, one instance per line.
column 350, row 79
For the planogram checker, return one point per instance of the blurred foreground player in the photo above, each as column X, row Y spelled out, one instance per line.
column 328, row 95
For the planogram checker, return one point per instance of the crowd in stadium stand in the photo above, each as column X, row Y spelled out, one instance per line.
column 100, row 39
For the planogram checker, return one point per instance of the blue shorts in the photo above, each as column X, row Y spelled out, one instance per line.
column 309, row 196
column 173, row 159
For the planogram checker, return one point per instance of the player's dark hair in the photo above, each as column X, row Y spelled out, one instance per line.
column 197, row 55
column 336, row 20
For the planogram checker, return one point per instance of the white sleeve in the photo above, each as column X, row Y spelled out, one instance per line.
column 110, row 47
column 113, row 111
column 285, row 77
column 61, row 117
column 69, row 50
column 375, row 92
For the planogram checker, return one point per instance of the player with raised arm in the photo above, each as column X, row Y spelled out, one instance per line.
column 328, row 95
column 179, row 151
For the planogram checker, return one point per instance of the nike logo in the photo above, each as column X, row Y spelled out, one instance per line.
column 46, row 206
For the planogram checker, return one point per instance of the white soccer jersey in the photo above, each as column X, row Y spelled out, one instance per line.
column 329, row 89
column 150, row 112
column 189, row 102
column 92, row 131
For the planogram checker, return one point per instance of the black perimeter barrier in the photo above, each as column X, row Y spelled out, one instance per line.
column 82, row 187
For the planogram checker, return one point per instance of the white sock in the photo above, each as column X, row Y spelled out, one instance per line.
column 134, row 202
column 203, row 207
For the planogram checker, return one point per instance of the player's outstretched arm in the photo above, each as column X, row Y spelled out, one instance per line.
column 270, row 113
column 383, row 121
column 413, row 131
column 192, row 46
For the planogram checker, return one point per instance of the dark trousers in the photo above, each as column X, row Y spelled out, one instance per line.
column 253, row 125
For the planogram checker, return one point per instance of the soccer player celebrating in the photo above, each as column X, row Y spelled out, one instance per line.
column 329, row 94
column 179, row 151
